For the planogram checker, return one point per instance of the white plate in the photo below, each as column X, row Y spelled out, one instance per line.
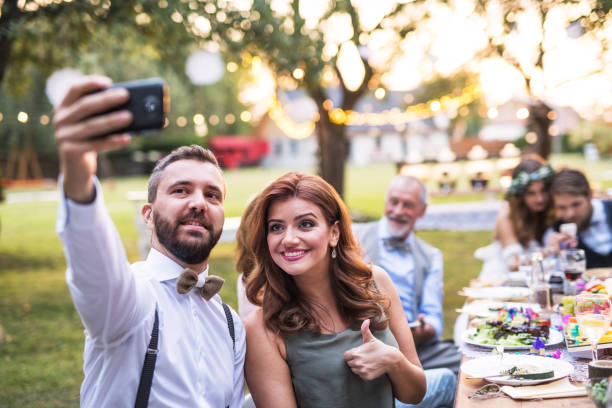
column 496, row 292
column 554, row 337
column 490, row 364
column 519, row 276
column 484, row 308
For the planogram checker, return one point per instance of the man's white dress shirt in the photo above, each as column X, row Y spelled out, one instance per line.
column 196, row 363
column 400, row 267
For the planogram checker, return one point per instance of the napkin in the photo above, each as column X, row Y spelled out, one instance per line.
column 555, row 389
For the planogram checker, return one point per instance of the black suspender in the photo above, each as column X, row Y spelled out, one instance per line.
column 230, row 323
column 146, row 377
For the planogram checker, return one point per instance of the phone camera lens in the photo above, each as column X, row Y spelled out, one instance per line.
column 151, row 104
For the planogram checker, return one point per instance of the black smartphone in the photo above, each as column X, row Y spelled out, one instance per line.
column 149, row 103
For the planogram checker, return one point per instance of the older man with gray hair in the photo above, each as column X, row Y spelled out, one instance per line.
column 416, row 270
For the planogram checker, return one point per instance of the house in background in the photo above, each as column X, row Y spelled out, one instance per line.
column 416, row 141
column 289, row 150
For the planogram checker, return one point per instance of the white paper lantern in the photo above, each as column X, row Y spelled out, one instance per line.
column 204, row 67
column 59, row 83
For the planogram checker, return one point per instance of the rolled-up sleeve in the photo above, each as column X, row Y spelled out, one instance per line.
column 431, row 302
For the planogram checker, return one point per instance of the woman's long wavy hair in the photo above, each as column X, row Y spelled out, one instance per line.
column 528, row 225
column 285, row 310
column 245, row 261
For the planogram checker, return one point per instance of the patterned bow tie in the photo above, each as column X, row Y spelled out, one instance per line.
column 396, row 243
column 207, row 287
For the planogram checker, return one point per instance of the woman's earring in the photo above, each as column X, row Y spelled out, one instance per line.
column 333, row 254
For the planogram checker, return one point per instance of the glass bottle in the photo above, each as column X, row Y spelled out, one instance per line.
column 539, row 288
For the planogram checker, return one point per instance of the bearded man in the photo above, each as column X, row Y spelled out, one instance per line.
column 164, row 307
column 415, row 268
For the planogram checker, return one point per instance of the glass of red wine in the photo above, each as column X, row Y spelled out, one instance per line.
column 573, row 265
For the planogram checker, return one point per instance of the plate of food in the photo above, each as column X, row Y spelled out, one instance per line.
column 515, row 328
column 598, row 273
column 490, row 336
column 517, row 369
column 496, row 292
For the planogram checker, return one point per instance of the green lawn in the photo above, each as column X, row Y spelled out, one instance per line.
column 41, row 347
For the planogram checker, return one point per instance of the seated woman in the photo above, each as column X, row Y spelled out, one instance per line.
column 330, row 331
column 527, row 213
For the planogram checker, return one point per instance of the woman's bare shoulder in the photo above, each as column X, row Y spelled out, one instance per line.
column 259, row 334
column 382, row 279
column 504, row 210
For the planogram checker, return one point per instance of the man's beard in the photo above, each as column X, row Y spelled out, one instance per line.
column 586, row 223
column 400, row 232
column 190, row 252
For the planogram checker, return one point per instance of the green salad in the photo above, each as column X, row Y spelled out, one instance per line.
column 505, row 335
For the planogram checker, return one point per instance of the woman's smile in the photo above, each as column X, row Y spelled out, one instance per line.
column 294, row 254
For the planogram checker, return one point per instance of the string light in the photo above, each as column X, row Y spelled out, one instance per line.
column 181, row 121
column 298, row 73
column 245, row 116
column 388, row 117
column 232, row 66
column 301, row 130
column 287, row 125
column 411, row 113
column 522, row 113
column 198, row 119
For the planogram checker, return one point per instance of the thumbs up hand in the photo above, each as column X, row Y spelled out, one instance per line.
column 373, row 358
column 366, row 334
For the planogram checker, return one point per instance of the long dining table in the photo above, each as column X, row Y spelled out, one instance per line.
column 466, row 388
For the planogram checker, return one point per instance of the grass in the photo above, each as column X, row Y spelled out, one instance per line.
column 41, row 347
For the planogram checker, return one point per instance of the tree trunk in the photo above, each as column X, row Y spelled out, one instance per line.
column 539, row 123
column 333, row 151
column 332, row 138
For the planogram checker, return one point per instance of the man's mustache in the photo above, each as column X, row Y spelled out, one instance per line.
column 197, row 216
column 400, row 219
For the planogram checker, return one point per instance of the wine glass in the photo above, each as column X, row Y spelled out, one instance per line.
column 593, row 315
column 573, row 264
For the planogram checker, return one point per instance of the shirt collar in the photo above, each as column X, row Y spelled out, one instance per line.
column 599, row 215
column 163, row 268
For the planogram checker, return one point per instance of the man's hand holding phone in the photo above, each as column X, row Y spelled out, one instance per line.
column 77, row 121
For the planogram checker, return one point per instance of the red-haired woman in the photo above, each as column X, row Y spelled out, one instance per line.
column 331, row 331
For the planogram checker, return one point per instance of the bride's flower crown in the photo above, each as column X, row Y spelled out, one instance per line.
column 523, row 179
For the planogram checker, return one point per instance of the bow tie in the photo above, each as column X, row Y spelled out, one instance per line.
column 207, row 286
column 396, row 243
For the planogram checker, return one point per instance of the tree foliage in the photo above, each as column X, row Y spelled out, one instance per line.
column 582, row 18
column 104, row 38
column 297, row 44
